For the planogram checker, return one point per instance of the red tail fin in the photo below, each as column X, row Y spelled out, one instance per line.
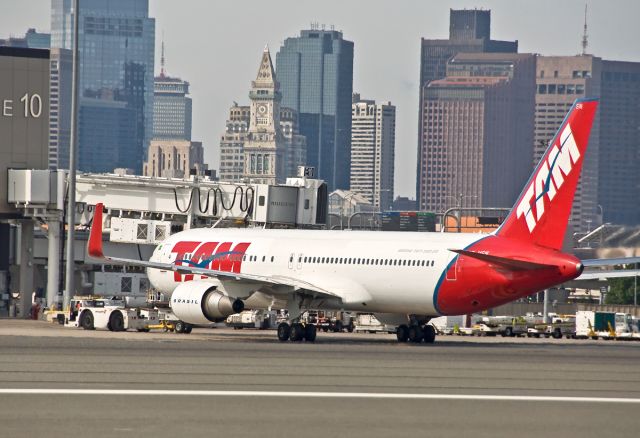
column 542, row 211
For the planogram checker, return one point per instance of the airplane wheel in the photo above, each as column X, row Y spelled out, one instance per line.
column 415, row 334
column 188, row 328
column 86, row 320
column 429, row 334
column 297, row 332
column 179, row 327
column 284, row 331
column 116, row 321
column 310, row 333
column 402, row 333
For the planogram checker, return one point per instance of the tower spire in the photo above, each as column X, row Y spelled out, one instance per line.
column 266, row 76
column 585, row 40
column 162, row 57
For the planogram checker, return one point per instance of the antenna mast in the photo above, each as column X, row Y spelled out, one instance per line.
column 162, row 57
column 585, row 40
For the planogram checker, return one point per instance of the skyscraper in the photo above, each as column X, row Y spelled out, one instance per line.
column 469, row 32
column 619, row 164
column 315, row 71
column 373, row 151
column 560, row 81
column 171, row 106
column 478, row 125
column 609, row 189
column 232, row 144
column 116, row 50
column 61, row 64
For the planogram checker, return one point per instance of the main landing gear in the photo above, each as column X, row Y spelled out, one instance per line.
column 416, row 333
column 296, row 332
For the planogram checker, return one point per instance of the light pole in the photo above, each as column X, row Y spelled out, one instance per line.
column 458, row 200
column 71, row 204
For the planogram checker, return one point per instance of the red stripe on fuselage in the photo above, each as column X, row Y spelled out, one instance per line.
column 221, row 260
column 203, row 252
column 182, row 248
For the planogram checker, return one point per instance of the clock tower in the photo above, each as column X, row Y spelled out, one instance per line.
column 264, row 150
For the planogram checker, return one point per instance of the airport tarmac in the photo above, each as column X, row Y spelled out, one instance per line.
column 56, row 381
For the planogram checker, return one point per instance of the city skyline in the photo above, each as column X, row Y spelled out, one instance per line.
column 393, row 54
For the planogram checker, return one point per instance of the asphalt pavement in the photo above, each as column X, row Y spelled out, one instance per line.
column 56, row 381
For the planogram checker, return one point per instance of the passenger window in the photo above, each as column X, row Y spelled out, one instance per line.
column 264, row 258
column 432, row 262
column 271, row 258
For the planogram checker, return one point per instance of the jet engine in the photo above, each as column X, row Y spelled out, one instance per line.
column 199, row 302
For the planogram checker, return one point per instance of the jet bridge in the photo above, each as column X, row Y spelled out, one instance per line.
column 147, row 210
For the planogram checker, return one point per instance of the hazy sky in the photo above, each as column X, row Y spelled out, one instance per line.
column 216, row 46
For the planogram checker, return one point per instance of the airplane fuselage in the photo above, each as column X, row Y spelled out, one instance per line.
column 372, row 271
column 393, row 272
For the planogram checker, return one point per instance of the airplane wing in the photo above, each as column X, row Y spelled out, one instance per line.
column 95, row 250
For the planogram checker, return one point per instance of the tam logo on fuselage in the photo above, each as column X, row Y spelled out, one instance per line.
column 217, row 256
column 549, row 179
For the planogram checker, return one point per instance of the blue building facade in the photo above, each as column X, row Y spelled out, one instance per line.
column 315, row 71
column 111, row 126
column 116, row 50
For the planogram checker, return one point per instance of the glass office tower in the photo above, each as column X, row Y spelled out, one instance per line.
column 315, row 71
column 116, row 51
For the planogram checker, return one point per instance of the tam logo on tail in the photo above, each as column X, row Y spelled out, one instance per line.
column 542, row 211
column 549, row 178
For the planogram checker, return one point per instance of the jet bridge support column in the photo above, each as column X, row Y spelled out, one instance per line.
column 545, row 307
column 53, row 262
column 26, row 267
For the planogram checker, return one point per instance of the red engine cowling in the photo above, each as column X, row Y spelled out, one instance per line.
column 199, row 302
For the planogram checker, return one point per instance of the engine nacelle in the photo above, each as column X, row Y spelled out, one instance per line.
column 199, row 302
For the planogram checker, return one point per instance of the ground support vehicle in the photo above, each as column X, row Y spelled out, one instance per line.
column 536, row 331
column 558, row 330
column 483, row 329
column 257, row 319
column 169, row 322
column 367, row 322
column 448, row 325
column 111, row 315
column 594, row 325
column 500, row 325
column 331, row 321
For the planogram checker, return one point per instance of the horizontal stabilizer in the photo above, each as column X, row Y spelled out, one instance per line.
column 611, row 262
column 512, row 264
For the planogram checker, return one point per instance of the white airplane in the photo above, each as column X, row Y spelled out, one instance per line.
column 405, row 278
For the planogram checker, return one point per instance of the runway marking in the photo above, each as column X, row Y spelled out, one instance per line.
column 302, row 394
